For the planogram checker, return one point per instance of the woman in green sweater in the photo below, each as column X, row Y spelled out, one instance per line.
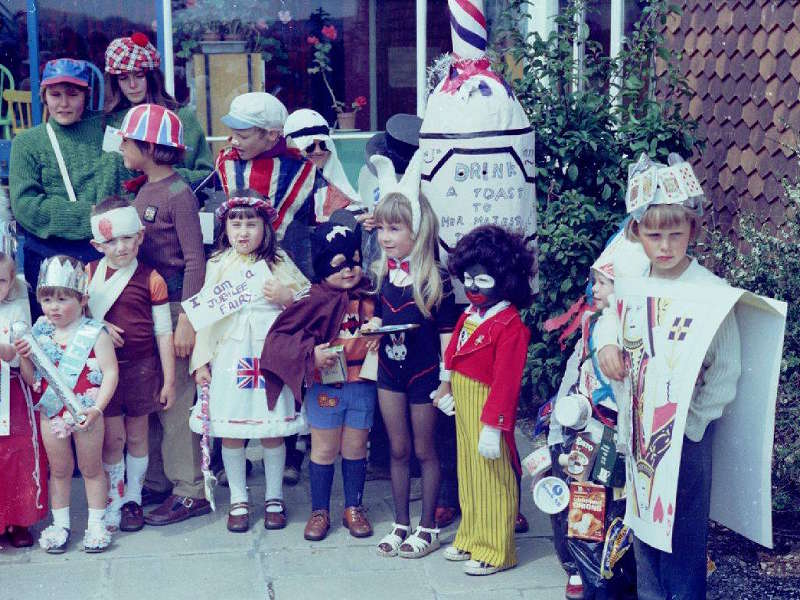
column 133, row 78
column 52, row 207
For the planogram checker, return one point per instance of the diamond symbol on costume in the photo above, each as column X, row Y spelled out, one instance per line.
column 336, row 230
column 679, row 329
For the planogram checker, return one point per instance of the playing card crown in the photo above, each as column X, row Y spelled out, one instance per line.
column 652, row 183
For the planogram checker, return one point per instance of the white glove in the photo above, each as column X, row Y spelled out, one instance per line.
column 489, row 442
column 446, row 404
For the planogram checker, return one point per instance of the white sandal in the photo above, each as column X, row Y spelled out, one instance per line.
column 54, row 539
column 479, row 567
column 393, row 540
column 96, row 539
column 420, row 546
column 456, row 555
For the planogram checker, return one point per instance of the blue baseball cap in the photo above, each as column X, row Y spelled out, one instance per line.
column 66, row 70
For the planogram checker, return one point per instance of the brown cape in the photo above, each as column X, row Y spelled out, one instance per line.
column 288, row 354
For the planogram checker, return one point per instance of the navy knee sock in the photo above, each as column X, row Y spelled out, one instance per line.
column 321, row 482
column 354, row 473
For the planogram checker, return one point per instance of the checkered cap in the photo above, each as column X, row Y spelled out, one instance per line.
column 134, row 53
column 153, row 123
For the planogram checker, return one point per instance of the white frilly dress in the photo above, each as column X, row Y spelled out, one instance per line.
column 232, row 347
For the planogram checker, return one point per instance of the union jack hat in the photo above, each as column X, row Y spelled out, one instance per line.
column 134, row 53
column 153, row 123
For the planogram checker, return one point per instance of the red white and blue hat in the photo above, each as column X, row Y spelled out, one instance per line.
column 66, row 70
column 153, row 123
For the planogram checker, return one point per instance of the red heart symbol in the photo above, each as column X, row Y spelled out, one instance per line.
column 669, row 510
column 658, row 512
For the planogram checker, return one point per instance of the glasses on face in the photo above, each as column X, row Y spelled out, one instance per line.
column 321, row 143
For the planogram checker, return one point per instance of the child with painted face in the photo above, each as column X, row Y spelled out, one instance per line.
column 226, row 357
column 131, row 298
column 486, row 357
column 84, row 355
column 414, row 290
column 311, row 336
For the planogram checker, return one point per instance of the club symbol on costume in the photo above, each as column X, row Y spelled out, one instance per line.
column 397, row 351
column 248, row 374
column 679, row 329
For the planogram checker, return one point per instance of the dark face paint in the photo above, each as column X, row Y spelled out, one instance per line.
column 480, row 293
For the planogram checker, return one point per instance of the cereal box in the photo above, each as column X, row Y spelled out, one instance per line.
column 587, row 512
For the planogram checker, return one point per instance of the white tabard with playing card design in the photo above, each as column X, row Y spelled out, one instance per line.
column 666, row 328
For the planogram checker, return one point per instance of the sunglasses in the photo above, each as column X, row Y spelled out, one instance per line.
column 321, row 143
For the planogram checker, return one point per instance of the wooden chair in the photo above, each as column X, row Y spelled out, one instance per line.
column 6, row 83
column 19, row 109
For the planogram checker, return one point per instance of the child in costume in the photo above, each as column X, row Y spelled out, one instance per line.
column 259, row 159
column 23, row 495
column 226, row 357
column 582, row 559
column 84, row 355
column 132, row 299
column 486, row 357
column 152, row 142
column 301, row 346
column 665, row 224
column 414, row 290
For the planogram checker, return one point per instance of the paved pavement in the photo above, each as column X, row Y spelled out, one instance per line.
column 199, row 559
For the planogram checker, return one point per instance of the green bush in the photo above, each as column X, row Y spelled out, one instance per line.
column 584, row 143
column 766, row 263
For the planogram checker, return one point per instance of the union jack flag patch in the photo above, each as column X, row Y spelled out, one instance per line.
column 248, row 374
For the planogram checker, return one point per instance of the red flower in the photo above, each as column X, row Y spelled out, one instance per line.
column 313, row 40
column 361, row 101
column 329, row 31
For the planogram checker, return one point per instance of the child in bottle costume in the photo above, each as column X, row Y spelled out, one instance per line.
column 486, row 357
column 227, row 356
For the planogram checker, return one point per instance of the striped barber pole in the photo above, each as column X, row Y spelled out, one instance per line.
column 155, row 124
column 468, row 28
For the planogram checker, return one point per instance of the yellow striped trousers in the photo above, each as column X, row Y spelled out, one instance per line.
column 487, row 489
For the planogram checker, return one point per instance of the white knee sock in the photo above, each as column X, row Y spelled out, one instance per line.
column 233, row 459
column 61, row 517
column 274, row 461
column 116, row 484
column 95, row 517
column 137, row 469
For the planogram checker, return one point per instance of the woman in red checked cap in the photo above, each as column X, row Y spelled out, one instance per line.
column 133, row 77
column 52, row 204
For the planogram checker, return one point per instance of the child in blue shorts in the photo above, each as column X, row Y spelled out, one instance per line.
column 301, row 346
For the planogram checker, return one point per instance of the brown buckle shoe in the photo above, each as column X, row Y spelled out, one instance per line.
column 176, row 509
column 239, row 523
column 132, row 517
column 318, row 525
column 274, row 520
column 445, row 515
column 355, row 519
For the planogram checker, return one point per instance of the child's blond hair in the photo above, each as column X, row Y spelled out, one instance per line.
column 664, row 216
column 17, row 288
column 427, row 283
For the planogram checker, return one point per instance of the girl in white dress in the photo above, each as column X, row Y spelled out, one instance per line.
column 227, row 354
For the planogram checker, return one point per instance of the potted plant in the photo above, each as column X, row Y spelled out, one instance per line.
column 321, row 65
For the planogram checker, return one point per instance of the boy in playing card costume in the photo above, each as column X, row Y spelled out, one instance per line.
column 486, row 357
column 132, row 299
column 665, row 205
column 298, row 348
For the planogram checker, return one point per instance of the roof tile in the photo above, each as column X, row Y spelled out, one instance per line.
column 767, row 66
column 788, row 92
column 775, row 41
column 791, row 41
column 783, row 66
column 755, row 185
column 760, row 41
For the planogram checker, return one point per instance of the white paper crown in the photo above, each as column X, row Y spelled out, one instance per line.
column 652, row 183
column 56, row 272
column 408, row 186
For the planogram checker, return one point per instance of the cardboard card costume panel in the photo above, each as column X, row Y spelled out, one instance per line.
column 667, row 328
column 477, row 142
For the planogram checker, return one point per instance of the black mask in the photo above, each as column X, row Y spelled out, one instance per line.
column 330, row 240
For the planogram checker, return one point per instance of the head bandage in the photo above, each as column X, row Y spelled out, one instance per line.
column 115, row 223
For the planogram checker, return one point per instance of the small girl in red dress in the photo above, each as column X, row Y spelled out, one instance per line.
column 23, row 495
column 84, row 356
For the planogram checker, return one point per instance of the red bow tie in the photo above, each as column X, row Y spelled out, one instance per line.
column 393, row 264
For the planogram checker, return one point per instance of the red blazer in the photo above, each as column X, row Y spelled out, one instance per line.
column 495, row 355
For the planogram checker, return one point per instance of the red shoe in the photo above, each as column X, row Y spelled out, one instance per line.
column 574, row 589
column 521, row 524
column 445, row 515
